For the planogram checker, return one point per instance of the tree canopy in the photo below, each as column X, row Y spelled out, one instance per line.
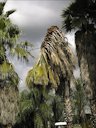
column 10, row 45
column 81, row 14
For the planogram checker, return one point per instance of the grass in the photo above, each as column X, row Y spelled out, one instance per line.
column 77, row 126
column 84, row 126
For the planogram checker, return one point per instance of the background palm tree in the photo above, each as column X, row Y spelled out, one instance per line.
column 55, row 64
column 58, row 107
column 9, row 79
column 81, row 115
column 81, row 17
column 39, row 108
column 35, row 109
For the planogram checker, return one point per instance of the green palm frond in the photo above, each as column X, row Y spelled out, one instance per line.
column 46, row 111
column 42, row 74
column 79, row 15
column 34, row 108
column 79, row 99
column 38, row 122
column 38, row 74
column 26, row 105
column 58, row 108
column 2, row 23
column 9, row 34
column 13, row 31
column 6, row 67
column 2, row 4
column 8, row 76
column 20, row 52
column 8, row 13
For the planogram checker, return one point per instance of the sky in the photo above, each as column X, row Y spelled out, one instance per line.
column 34, row 17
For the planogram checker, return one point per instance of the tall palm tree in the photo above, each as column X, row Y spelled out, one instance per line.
column 81, row 17
column 9, row 79
column 54, row 65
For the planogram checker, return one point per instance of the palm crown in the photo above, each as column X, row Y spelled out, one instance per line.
column 55, row 61
column 80, row 14
column 9, row 34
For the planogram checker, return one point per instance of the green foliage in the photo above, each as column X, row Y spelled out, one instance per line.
column 8, row 13
column 9, row 34
column 42, row 74
column 38, row 122
column 81, row 14
column 77, row 126
column 39, row 108
column 79, row 102
column 58, row 109
column 35, row 109
column 2, row 4
column 7, row 75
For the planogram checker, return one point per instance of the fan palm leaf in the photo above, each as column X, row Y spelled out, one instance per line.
column 9, row 34
column 79, row 15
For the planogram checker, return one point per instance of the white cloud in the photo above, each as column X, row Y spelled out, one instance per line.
column 2, row 0
column 71, row 39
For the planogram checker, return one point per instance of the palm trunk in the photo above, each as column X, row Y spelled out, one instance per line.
column 68, row 105
column 7, row 126
column 8, row 105
column 93, row 116
column 86, row 52
column 64, row 90
column 68, row 110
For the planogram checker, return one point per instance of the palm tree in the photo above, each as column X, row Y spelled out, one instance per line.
column 55, row 64
column 58, row 108
column 80, row 103
column 81, row 17
column 9, row 79
column 40, row 108
column 35, row 109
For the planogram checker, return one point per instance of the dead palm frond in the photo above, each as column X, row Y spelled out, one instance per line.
column 56, row 60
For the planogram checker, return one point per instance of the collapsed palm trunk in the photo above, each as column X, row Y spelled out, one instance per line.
column 56, row 61
column 86, row 52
